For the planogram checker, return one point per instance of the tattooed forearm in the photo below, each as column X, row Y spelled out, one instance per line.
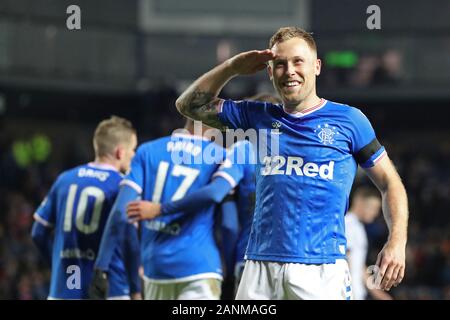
column 200, row 105
column 197, row 99
column 200, row 101
column 208, row 114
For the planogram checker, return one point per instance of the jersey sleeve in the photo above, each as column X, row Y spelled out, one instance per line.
column 115, row 227
column 132, row 258
column 46, row 212
column 230, row 233
column 213, row 193
column 135, row 178
column 233, row 167
column 366, row 148
column 239, row 114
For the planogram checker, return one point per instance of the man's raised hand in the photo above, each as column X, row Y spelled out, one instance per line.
column 250, row 62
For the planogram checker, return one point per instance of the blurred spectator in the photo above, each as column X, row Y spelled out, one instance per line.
column 389, row 70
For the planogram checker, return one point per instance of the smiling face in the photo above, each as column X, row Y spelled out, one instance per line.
column 293, row 71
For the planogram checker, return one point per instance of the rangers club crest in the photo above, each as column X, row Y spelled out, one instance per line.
column 326, row 133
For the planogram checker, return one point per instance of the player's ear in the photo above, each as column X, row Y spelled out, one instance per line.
column 318, row 66
column 120, row 152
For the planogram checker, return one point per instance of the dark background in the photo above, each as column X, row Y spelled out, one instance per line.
column 133, row 58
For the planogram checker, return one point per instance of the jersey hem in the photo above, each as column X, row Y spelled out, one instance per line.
column 207, row 275
column 303, row 260
column 227, row 177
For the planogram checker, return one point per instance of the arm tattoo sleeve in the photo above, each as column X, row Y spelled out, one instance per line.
column 202, row 106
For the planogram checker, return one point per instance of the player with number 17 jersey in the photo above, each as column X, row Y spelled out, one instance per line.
column 177, row 247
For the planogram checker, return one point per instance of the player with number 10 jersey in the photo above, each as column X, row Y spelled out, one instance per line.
column 77, row 208
column 78, row 205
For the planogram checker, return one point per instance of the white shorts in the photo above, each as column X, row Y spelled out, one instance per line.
column 119, row 298
column 201, row 289
column 263, row 280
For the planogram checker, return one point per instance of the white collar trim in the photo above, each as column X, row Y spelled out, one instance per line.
column 104, row 166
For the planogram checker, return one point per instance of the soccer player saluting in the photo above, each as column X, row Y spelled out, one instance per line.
column 297, row 245
column 76, row 210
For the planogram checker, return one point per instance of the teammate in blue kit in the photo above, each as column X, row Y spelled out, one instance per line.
column 70, row 221
column 297, row 244
column 237, row 175
column 179, row 254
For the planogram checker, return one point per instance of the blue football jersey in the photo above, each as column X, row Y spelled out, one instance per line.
column 305, row 171
column 77, row 207
column 181, row 245
column 239, row 169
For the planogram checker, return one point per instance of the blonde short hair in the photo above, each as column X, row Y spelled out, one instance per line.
column 286, row 33
column 110, row 133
